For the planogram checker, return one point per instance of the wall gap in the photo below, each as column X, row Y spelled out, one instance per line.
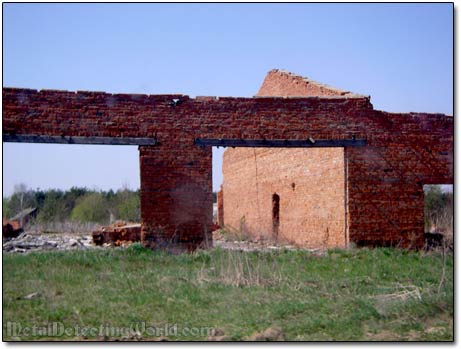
column 293, row 196
column 41, row 168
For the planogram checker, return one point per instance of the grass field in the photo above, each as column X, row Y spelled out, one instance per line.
column 360, row 294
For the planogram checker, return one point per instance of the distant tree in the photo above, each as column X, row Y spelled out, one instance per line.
column 91, row 207
column 39, row 197
column 82, row 204
column 71, row 197
column 21, row 199
column 215, row 195
column 110, row 195
column 74, row 193
column 128, row 205
column 53, row 208
column 6, row 211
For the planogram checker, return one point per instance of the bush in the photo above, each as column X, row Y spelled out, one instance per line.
column 91, row 208
column 128, row 206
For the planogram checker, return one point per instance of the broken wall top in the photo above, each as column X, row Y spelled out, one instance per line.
column 282, row 83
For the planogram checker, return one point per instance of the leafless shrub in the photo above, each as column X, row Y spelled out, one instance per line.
column 395, row 294
column 444, row 220
column 399, row 293
column 239, row 269
column 229, row 233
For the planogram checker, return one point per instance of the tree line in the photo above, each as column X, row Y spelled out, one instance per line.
column 83, row 205
column 76, row 204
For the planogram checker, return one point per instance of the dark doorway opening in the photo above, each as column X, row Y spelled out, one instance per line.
column 275, row 215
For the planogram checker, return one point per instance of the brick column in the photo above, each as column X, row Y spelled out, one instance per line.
column 176, row 196
column 385, row 200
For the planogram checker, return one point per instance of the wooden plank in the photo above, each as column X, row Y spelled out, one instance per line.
column 255, row 143
column 78, row 140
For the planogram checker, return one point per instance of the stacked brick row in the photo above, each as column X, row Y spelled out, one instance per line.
column 117, row 232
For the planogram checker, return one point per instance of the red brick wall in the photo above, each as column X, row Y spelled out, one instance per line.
column 311, row 187
column 384, row 192
column 386, row 178
column 404, row 151
column 176, row 196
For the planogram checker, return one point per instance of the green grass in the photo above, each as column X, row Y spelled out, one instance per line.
column 342, row 296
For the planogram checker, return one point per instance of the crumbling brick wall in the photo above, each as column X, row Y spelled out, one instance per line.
column 384, row 181
column 312, row 212
column 384, row 178
column 280, row 83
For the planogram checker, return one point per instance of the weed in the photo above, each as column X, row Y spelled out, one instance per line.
column 361, row 294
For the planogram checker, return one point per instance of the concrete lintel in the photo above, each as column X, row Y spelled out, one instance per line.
column 78, row 140
column 309, row 143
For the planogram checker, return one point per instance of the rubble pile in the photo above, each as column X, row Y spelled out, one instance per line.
column 45, row 242
column 119, row 234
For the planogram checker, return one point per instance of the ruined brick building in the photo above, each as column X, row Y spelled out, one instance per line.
column 297, row 196
column 359, row 172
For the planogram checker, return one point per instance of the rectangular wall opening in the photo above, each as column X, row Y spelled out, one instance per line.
column 70, row 188
column 275, row 216
column 292, row 196
column 438, row 215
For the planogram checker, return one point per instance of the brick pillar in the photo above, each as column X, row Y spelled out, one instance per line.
column 176, row 196
column 385, row 200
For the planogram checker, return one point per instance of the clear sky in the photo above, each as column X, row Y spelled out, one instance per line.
column 400, row 54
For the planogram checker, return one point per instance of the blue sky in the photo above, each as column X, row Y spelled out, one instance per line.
column 400, row 54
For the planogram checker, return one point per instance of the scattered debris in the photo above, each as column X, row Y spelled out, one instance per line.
column 118, row 233
column 271, row 334
column 230, row 242
column 27, row 242
column 217, row 335
column 32, row 295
